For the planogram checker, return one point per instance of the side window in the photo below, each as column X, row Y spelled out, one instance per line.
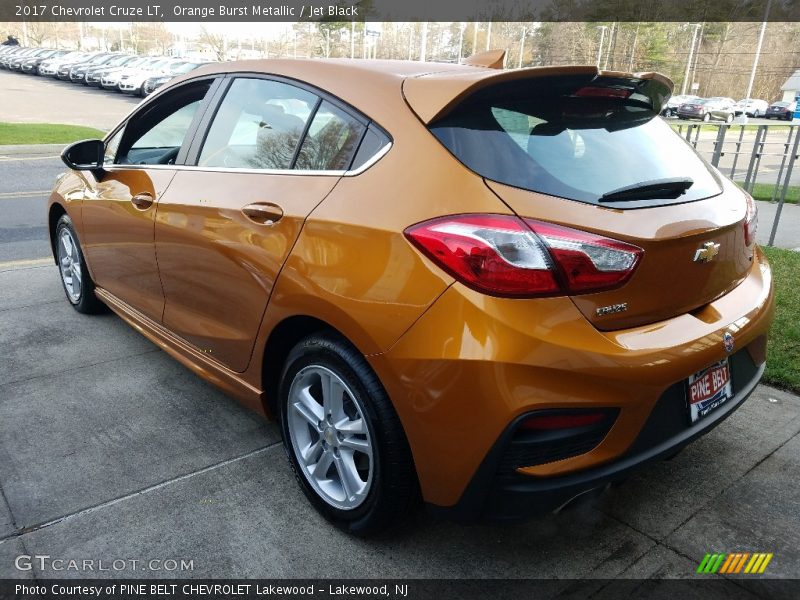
column 374, row 140
column 258, row 125
column 156, row 135
column 331, row 141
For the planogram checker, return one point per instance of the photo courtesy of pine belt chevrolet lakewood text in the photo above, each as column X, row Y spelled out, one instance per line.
column 487, row 291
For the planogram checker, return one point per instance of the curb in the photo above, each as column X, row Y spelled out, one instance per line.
column 32, row 149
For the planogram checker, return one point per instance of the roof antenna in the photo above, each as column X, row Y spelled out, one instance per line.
column 491, row 59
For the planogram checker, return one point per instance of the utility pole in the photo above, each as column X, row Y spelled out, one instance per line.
column 423, row 42
column 352, row 39
column 602, row 29
column 488, row 35
column 474, row 37
column 757, row 56
column 633, row 48
column 611, row 40
column 461, row 28
column 697, row 53
column 521, row 47
column 689, row 61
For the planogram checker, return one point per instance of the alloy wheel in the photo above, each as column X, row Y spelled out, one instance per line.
column 69, row 262
column 330, row 437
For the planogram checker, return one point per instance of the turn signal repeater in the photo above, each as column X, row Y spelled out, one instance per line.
column 504, row 255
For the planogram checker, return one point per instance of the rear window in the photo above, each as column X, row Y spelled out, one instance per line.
column 540, row 136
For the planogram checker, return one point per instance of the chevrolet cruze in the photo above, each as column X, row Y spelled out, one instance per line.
column 486, row 290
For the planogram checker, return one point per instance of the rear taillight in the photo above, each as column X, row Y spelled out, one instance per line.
column 503, row 255
column 588, row 262
column 750, row 221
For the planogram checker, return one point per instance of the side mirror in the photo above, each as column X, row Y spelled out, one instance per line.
column 84, row 156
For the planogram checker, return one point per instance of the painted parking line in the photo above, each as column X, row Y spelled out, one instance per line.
column 26, row 263
column 19, row 158
column 23, row 194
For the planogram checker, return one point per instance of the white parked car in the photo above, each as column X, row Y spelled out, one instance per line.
column 110, row 80
column 50, row 66
column 132, row 82
column 752, row 107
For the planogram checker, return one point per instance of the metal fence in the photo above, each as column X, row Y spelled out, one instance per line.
column 750, row 154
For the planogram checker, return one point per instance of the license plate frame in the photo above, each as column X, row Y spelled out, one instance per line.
column 708, row 389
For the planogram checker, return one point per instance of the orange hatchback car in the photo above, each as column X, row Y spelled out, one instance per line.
column 487, row 290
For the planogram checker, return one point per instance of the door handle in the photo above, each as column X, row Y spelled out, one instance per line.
column 263, row 213
column 142, row 201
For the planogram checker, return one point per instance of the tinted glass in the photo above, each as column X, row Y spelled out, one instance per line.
column 331, row 141
column 547, row 138
column 370, row 145
column 155, row 135
column 258, row 125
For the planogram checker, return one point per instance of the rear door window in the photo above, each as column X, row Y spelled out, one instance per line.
column 258, row 125
column 543, row 135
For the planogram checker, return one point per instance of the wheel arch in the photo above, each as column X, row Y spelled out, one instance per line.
column 283, row 337
column 55, row 212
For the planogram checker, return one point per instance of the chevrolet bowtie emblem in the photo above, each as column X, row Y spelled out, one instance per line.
column 707, row 252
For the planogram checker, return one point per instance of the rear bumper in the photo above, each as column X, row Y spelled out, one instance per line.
column 496, row 496
column 473, row 365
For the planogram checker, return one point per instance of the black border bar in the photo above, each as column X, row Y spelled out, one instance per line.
column 398, row 10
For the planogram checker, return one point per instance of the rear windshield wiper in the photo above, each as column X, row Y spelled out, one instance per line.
column 669, row 188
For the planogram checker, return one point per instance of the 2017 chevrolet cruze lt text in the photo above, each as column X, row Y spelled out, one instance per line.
column 487, row 290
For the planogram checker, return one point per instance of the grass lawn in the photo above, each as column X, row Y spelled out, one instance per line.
column 783, row 348
column 763, row 191
column 45, row 133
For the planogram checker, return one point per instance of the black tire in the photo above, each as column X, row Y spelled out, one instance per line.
column 86, row 302
column 394, row 492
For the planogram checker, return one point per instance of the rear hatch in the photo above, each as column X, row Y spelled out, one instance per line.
column 586, row 150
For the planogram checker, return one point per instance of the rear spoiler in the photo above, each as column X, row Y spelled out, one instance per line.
column 491, row 59
column 434, row 95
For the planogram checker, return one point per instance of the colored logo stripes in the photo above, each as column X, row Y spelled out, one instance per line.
column 735, row 562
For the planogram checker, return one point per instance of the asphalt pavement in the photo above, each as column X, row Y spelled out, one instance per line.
column 30, row 99
column 111, row 449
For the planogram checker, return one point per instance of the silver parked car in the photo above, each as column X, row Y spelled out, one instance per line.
column 752, row 107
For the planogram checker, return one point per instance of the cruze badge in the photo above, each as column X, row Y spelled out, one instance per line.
column 610, row 310
column 707, row 252
column 727, row 341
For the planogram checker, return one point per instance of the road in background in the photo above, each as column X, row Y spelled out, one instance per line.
column 26, row 177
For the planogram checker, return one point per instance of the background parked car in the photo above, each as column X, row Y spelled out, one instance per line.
column 31, row 65
column 153, row 83
column 77, row 74
column 65, row 68
column 133, row 82
column 706, row 109
column 49, row 67
column 95, row 74
column 752, row 107
column 671, row 109
column 781, row 110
